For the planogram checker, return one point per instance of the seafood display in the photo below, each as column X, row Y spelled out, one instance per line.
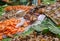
column 11, row 25
column 30, row 23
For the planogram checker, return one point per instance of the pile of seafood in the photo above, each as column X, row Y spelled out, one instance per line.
column 53, row 12
column 16, row 8
column 15, row 11
column 37, row 37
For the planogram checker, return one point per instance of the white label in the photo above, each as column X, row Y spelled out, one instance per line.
column 41, row 17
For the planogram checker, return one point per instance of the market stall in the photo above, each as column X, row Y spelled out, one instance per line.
column 30, row 23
